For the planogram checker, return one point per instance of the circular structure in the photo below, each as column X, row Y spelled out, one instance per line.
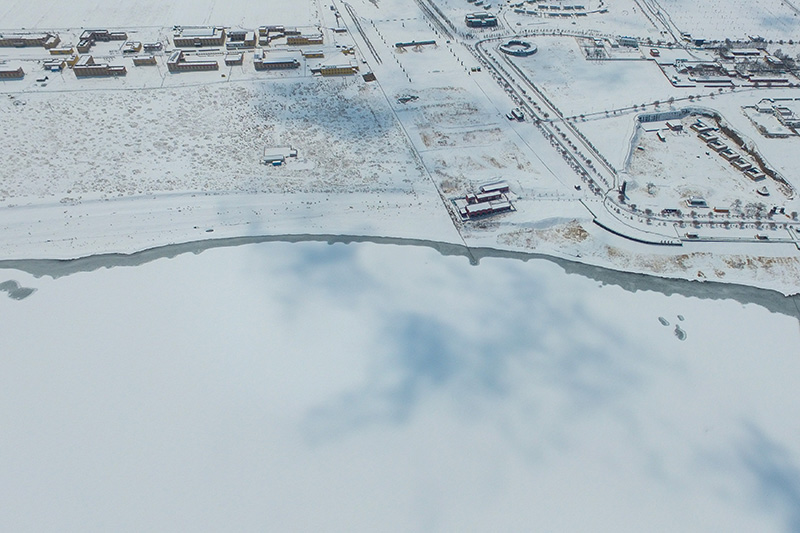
column 518, row 48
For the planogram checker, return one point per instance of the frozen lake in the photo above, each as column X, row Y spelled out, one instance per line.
column 362, row 387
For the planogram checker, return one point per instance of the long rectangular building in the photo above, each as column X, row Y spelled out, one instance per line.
column 303, row 40
column 265, row 63
column 337, row 70
column 194, row 37
column 8, row 73
column 86, row 67
column 21, row 40
column 177, row 62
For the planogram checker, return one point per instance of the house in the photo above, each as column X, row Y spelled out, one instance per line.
column 132, row 47
column 236, row 58
column 696, row 201
column 708, row 136
column 241, row 39
column 499, row 186
column 54, row 65
column 142, row 60
column 741, row 164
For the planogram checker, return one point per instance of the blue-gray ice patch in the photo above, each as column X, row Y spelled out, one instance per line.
column 15, row 291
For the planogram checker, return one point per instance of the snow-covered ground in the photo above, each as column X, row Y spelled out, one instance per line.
column 370, row 387
column 206, row 138
column 735, row 19
column 47, row 14
column 309, row 386
column 151, row 159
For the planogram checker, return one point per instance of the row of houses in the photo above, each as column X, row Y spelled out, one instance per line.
column 183, row 37
column 178, row 61
column 206, row 36
column 708, row 135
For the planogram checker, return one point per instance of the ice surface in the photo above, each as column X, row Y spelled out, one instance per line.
column 373, row 387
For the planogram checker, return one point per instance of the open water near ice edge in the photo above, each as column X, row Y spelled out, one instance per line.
column 629, row 281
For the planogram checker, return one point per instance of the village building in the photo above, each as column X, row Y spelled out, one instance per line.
column 696, row 201
column 86, row 67
column 143, row 60
column 303, row 40
column 414, row 43
column 336, row 70
column 63, row 50
column 84, row 45
column 486, row 208
column 480, row 20
column 716, row 145
column 132, row 47
column 193, row 37
column 104, row 35
column 741, row 165
column 22, row 40
column 500, row 186
column 241, row 39
column 11, row 73
column 708, row 136
column 234, row 58
column 267, row 63
column 728, row 155
column 54, row 65
column 755, row 174
column 89, row 37
column 177, row 62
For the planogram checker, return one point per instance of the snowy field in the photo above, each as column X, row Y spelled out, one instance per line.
column 204, row 138
column 48, row 14
column 367, row 387
column 579, row 86
column 733, row 19
column 219, row 381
